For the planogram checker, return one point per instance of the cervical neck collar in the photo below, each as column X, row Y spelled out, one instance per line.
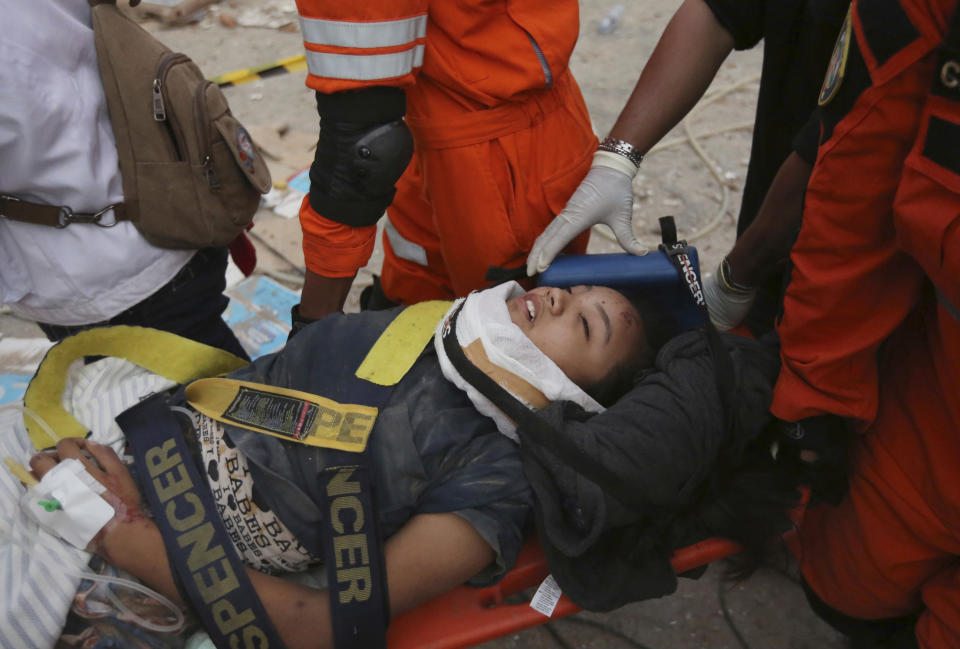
column 499, row 348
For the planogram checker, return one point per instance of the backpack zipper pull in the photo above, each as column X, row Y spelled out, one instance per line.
column 210, row 173
column 159, row 111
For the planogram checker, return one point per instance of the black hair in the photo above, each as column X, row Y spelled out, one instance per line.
column 748, row 497
column 625, row 374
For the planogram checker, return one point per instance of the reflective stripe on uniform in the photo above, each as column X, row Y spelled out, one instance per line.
column 387, row 33
column 948, row 306
column 364, row 67
column 403, row 248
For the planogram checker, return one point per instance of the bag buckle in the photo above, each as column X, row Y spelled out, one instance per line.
column 68, row 216
column 6, row 198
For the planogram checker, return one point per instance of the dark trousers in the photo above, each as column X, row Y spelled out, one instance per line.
column 888, row 633
column 189, row 305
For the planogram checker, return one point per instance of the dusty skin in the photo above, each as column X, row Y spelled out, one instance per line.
column 769, row 609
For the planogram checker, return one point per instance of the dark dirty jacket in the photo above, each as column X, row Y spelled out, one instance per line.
column 431, row 451
column 666, row 439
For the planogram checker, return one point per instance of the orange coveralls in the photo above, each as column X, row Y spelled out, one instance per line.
column 871, row 332
column 502, row 135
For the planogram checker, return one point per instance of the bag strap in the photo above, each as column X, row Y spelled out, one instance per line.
column 94, row 3
column 59, row 216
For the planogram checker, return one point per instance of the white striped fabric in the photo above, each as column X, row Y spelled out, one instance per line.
column 100, row 391
column 385, row 33
column 35, row 581
column 36, row 587
column 364, row 67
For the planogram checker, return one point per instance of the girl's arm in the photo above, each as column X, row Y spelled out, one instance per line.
column 431, row 554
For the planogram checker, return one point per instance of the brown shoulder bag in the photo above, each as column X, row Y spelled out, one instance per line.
column 192, row 176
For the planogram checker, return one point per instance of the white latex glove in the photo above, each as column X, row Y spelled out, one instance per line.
column 604, row 196
column 727, row 309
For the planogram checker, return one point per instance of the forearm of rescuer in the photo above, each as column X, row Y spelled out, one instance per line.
column 678, row 73
column 323, row 295
column 430, row 555
column 764, row 246
column 762, row 249
column 363, row 148
column 682, row 65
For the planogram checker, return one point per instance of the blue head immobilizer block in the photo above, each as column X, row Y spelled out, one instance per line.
column 650, row 276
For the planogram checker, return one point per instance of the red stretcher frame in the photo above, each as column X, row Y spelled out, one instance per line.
column 466, row 616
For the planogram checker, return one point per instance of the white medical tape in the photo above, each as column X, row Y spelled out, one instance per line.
column 82, row 511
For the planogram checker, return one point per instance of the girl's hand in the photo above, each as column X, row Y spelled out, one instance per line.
column 105, row 466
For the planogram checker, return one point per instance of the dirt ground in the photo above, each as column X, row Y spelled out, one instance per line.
column 701, row 191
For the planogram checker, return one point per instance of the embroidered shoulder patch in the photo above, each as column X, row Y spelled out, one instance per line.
column 838, row 62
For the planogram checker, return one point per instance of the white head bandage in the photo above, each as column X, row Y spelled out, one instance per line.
column 500, row 348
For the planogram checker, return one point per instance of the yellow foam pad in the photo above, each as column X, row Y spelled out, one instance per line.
column 400, row 344
column 169, row 355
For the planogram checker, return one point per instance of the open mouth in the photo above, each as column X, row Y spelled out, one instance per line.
column 531, row 310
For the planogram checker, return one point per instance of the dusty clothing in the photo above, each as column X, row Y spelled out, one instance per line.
column 431, row 451
column 667, row 439
column 502, row 134
column 867, row 331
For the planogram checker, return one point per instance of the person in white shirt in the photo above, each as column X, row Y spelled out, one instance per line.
column 57, row 147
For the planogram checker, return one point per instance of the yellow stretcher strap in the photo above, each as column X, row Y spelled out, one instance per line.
column 311, row 419
column 399, row 346
column 169, row 355
column 281, row 412
column 334, row 425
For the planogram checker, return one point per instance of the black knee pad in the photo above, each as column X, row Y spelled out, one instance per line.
column 363, row 149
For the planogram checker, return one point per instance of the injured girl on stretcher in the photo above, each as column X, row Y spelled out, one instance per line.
column 454, row 480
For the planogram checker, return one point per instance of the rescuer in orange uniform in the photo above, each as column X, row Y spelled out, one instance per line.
column 501, row 132
column 871, row 331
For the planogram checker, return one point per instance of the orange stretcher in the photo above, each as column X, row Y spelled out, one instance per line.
column 468, row 616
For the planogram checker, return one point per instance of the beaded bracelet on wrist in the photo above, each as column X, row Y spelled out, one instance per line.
column 726, row 280
column 627, row 150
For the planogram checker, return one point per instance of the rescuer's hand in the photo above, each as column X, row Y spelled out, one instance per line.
column 727, row 306
column 817, row 450
column 297, row 321
column 321, row 296
column 604, row 196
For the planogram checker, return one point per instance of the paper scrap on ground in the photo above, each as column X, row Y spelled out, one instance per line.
column 259, row 314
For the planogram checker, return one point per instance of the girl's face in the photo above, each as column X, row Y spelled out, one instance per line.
column 585, row 330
